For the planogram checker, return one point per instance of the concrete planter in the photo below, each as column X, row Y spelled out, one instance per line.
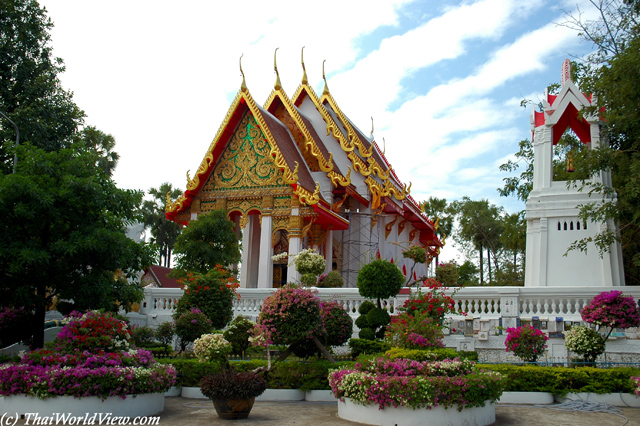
column 192, row 392
column 538, row 398
column 320, row 396
column 617, row 399
column 406, row 416
column 141, row 405
column 174, row 391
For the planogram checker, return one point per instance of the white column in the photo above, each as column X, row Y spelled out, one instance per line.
column 328, row 250
column 295, row 239
column 265, row 268
column 246, row 254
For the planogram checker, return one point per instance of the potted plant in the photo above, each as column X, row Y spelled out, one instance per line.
column 232, row 394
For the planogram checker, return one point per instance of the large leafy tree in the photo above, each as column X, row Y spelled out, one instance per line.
column 62, row 235
column 206, row 242
column 30, row 92
column 163, row 232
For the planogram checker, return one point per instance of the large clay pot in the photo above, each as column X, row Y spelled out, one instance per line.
column 233, row 409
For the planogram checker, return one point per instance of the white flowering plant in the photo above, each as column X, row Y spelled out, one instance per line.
column 308, row 262
column 585, row 342
column 211, row 347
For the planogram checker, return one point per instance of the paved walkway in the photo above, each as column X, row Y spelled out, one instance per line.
column 196, row 412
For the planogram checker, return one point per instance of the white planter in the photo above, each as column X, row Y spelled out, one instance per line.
column 282, row 395
column 141, row 405
column 319, row 396
column 192, row 392
column 617, row 399
column 406, row 416
column 538, row 398
column 174, row 391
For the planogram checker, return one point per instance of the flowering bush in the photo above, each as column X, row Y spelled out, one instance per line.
column 636, row 381
column 238, row 332
column 211, row 347
column 309, row 262
column 331, row 280
column 418, row 331
column 526, row 342
column 94, row 331
column 416, row 253
column 435, row 303
column 337, row 323
column 447, row 273
column 191, row 325
column 612, row 309
column 585, row 342
column 212, row 293
column 82, row 364
column 416, row 384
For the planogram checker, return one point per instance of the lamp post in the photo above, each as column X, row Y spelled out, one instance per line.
column 15, row 154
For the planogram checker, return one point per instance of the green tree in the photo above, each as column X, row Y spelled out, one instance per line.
column 63, row 235
column 441, row 213
column 30, row 91
column 480, row 226
column 206, row 242
column 379, row 279
column 514, row 239
column 163, row 232
column 102, row 145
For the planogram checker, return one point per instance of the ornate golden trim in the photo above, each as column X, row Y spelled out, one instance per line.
column 389, row 226
column 336, row 206
column 401, row 226
column 307, row 197
column 412, row 234
column 339, row 180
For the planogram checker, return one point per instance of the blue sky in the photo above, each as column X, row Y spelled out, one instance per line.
column 443, row 81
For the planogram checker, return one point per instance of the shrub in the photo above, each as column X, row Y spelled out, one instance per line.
column 367, row 333
column 367, row 346
column 308, row 280
column 94, row 331
column 211, row 347
column 331, row 280
column 414, row 332
column 447, row 273
column 212, row 293
column 337, row 323
column 585, row 342
column 526, row 342
column 435, row 303
column 377, row 317
column 612, row 309
column 636, row 383
column 191, row 325
column 165, row 332
column 237, row 333
column 365, row 307
column 142, row 336
column 431, row 354
column 232, row 385
column 309, row 262
column 362, row 322
column 379, row 279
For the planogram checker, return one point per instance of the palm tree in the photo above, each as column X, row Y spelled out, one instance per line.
column 163, row 232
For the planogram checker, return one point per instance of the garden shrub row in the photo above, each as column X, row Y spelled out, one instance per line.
column 283, row 375
column 562, row 380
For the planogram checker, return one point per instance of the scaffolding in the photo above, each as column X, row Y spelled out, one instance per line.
column 360, row 244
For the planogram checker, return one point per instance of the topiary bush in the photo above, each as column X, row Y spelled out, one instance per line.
column 331, row 280
column 165, row 332
column 143, row 336
column 379, row 279
column 191, row 325
column 238, row 333
column 367, row 346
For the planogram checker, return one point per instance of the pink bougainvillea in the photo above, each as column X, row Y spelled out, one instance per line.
column 526, row 342
column 612, row 309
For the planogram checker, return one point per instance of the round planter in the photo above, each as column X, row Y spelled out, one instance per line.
column 406, row 416
column 617, row 399
column 174, row 391
column 319, row 396
column 538, row 398
column 132, row 406
column 233, row 409
column 282, row 395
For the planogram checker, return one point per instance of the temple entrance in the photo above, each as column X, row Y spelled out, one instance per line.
column 280, row 245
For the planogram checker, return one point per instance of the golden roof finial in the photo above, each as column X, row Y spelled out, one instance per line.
column 243, row 87
column 371, row 125
column 326, row 88
column 278, row 85
column 304, row 71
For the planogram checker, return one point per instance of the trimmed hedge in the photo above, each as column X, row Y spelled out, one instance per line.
column 433, row 354
column 283, row 375
column 364, row 346
column 563, row 380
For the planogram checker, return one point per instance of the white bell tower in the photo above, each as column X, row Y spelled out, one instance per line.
column 552, row 208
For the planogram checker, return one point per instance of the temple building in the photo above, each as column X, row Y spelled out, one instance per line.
column 296, row 173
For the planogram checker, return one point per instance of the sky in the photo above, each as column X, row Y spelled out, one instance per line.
column 443, row 80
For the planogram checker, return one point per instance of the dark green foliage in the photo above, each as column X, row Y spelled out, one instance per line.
column 237, row 333
column 361, row 322
column 165, row 332
column 367, row 333
column 379, row 279
column 561, row 380
column 142, row 336
column 232, row 385
column 163, row 231
column 207, row 242
column 378, row 318
column 331, row 280
column 190, row 325
column 71, row 239
column 365, row 307
column 30, row 92
column 366, row 346
column 432, row 354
